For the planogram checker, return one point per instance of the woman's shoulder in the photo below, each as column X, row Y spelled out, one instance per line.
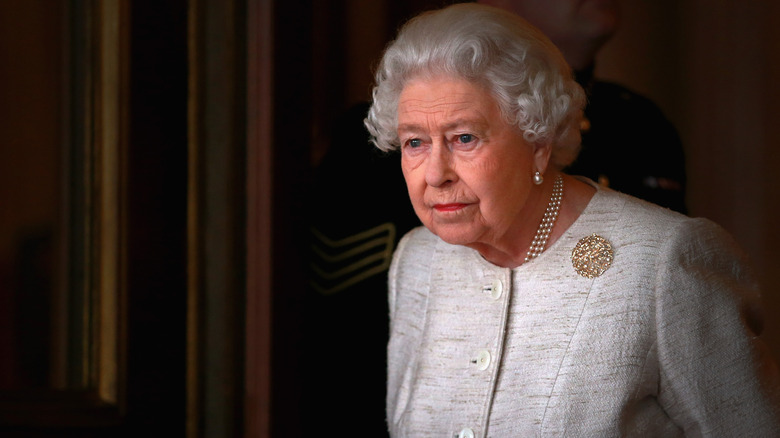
column 636, row 215
column 409, row 272
column 666, row 222
column 419, row 250
column 630, row 222
column 420, row 236
column 417, row 244
column 417, row 240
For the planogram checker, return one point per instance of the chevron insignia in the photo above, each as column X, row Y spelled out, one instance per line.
column 339, row 264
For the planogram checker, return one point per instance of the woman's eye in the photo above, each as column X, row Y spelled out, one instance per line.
column 415, row 142
column 466, row 138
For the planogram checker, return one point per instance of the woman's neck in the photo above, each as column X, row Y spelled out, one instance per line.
column 511, row 252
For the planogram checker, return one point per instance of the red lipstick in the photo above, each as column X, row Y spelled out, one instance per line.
column 449, row 207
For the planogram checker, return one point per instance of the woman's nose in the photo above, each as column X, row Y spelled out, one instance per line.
column 439, row 171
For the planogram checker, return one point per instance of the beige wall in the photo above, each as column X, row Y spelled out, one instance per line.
column 714, row 67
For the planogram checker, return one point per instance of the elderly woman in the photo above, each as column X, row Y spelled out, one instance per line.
column 536, row 303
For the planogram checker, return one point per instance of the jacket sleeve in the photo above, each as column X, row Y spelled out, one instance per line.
column 408, row 284
column 716, row 376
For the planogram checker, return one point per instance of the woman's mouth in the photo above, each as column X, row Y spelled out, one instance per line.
column 449, row 207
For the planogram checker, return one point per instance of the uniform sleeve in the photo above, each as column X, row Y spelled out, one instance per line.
column 716, row 376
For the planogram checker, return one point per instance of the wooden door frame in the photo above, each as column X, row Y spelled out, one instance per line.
column 90, row 389
column 259, row 217
column 279, row 120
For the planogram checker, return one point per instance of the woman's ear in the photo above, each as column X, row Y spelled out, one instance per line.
column 542, row 154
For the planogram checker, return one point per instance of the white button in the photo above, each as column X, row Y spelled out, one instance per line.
column 483, row 359
column 466, row 433
column 495, row 289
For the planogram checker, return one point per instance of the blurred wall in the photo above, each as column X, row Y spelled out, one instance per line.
column 31, row 136
column 714, row 67
column 349, row 37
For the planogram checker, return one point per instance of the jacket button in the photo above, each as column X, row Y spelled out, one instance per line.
column 494, row 289
column 482, row 360
column 466, row 433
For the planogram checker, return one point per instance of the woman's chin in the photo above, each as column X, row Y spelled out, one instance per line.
column 454, row 235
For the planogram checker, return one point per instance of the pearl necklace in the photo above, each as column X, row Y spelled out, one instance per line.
column 548, row 221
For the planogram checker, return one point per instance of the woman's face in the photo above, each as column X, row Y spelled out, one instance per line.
column 468, row 172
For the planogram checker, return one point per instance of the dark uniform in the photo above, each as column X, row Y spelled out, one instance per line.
column 628, row 145
column 361, row 210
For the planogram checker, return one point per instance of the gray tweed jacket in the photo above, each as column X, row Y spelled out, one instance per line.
column 663, row 343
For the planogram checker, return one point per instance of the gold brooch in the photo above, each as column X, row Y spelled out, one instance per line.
column 592, row 256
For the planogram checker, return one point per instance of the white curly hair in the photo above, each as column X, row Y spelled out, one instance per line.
column 526, row 74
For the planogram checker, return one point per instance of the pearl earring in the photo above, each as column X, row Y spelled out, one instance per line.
column 538, row 178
